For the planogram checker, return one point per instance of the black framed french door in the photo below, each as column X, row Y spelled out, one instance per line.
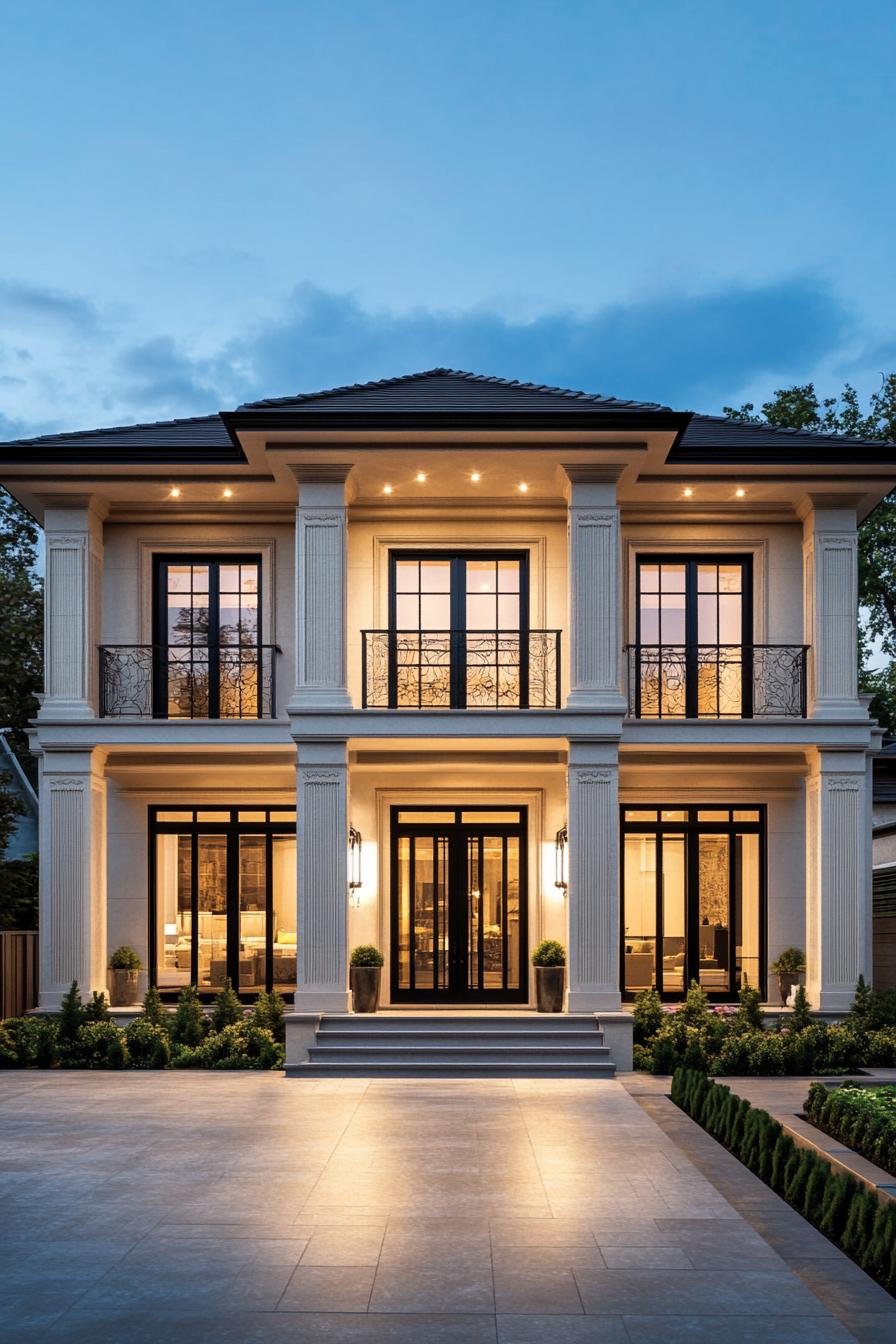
column 693, row 899
column 458, row 629
column 222, row 899
column 207, row 637
column 694, row 636
column 459, row 904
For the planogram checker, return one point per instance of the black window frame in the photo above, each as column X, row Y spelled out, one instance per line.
column 214, row 560
column 458, row 619
column 233, row 829
column 691, row 561
column 692, row 829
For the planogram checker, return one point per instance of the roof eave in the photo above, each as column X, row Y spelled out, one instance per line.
column 534, row 421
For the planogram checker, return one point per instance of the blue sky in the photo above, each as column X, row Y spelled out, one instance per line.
column 202, row 203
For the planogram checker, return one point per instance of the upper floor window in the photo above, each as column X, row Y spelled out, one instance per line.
column 207, row 637
column 459, row 636
column 693, row 637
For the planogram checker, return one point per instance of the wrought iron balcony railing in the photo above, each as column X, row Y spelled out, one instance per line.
column 183, row 681
column 717, row 681
column 460, row 669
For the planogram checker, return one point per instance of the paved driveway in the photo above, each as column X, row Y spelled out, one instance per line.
column 238, row 1208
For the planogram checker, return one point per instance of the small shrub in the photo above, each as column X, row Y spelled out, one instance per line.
column 648, row 1015
column 97, row 1010
column 792, row 961
column 642, row 1058
column 838, row 1197
column 46, row 1054
column 268, row 1013
column 795, row 1190
column 125, row 959
column 101, row 1045
column 9, row 1058
column 154, row 1010
column 548, row 953
column 366, row 955
column 813, row 1199
column 239, row 1046
column 663, row 1056
column 801, row 1017
column 189, row 1024
column 783, row 1151
column 148, row 1045
column 696, row 1011
column 749, row 1011
column 24, row 1034
column 879, row 1250
column 227, row 1008
column 71, row 1017
column 859, row 1223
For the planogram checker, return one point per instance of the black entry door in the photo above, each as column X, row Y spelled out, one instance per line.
column 459, row 904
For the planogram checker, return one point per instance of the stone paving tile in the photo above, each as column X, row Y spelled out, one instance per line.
column 465, row 1211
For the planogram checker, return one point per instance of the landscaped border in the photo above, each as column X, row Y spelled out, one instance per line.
column 847, row 1211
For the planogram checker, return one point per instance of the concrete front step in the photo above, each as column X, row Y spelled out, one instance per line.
column 431, row 1044
column 370, row 1068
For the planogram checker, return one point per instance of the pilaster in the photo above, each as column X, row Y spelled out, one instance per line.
column 830, row 608
column 593, row 890
column 595, row 613
column 72, row 606
column 322, row 886
column 838, row 879
column 72, row 874
column 321, row 679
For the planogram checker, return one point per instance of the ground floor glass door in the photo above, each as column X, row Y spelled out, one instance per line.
column 693, row 882
column 459, row 904
column 223, row 899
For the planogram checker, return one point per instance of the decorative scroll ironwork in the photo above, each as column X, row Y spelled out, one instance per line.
column 717, row 681
column 184, row 681
column 456, row 669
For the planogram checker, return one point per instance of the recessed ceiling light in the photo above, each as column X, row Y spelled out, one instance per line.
column 740, row 492
column 523, row 487
column 228, row 493
column 688, row 492
column 387, row 489
column 175, row 492
column 420, row 477
column 475, row 476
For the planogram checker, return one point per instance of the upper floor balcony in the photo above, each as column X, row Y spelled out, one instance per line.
column 188, row 681
column 460, row 669
column 716, row 681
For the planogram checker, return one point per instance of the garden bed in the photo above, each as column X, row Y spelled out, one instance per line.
column 83, row 1036
column 863, row 1118
column 844, row 1209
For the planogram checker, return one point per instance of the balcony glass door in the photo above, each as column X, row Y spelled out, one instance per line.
column 207, row 638
column 458, row 631
column 458, row 905
column 694, row 632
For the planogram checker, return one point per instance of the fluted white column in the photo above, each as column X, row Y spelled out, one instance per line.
column 595, row 612
column 838, row 879
column 72, row 607
column 830, row 574
column 322, row 887
column 321, row 588
column 72, row 874
column 593, row 877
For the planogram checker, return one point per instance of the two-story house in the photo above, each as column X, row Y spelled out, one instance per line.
column 451, row 664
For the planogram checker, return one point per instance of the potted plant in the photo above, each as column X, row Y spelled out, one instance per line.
column 125, row 967
column 788, row 967
column 366, row 968
column 549, row 960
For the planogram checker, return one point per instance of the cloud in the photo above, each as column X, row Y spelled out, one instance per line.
column 690, row 350
column 31, row 303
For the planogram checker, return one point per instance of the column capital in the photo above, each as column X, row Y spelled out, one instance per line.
column 592, row 483
column 322, row 483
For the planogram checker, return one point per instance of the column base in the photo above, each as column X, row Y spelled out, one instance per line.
column 598, row 702
column 830, row 1000
column 593, row 1001
column 325, row 698
column 322, row 1001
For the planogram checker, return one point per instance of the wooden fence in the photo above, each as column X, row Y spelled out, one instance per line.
column 18, row 972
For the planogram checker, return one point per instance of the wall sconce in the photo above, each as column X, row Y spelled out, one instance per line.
column 560, row 845
column 354, row 861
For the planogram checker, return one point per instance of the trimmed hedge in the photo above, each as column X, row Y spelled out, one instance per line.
column 844, row 1209
column 862, row 1118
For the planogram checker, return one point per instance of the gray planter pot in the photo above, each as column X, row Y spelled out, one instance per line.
column 123, row 988
column 787, row 981
column 365, row 983
column 549, row 988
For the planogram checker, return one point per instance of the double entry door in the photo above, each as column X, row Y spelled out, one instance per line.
column 459, row 904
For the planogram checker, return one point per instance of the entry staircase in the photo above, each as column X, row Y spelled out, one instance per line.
column 457, row 1044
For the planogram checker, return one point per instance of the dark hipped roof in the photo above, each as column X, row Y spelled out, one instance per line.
column 439, row 398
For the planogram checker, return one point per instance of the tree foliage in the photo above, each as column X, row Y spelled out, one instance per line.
column 799, row 407
column 21, row 602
